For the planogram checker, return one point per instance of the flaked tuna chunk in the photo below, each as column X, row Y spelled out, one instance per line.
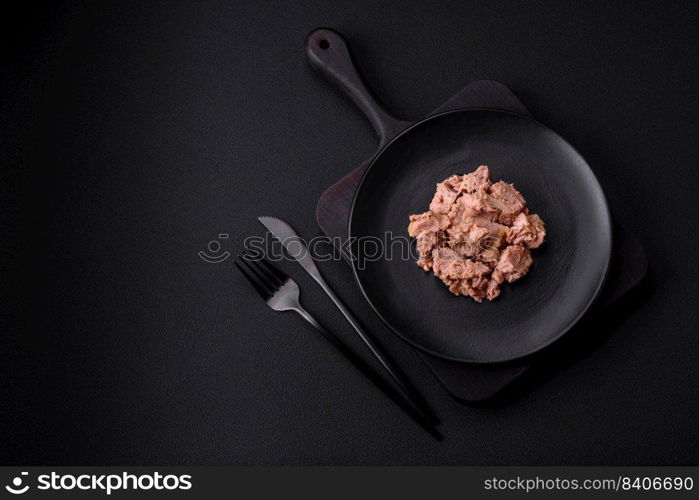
column 497, row 276
column 514, row 262
column 492, row 290
column 498, row 232
column 477, row 238
column 478, row 203
column 464, row 288
column 507, row 201
column 488, row 252
column 467, row 241
column 426, row 241
column 476, row 234
column 450, row 265
column 445, row 195
column 463, row 276
column 477, row 180
column 428, row 221
column 527, row 230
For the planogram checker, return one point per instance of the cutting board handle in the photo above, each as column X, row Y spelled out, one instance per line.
column 329, row 55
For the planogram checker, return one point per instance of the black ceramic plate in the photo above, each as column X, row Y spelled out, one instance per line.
column 568, row 270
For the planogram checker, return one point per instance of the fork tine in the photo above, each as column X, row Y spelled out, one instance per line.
column 256, row 269
column 261, row 289
column 274, row 275
column 280, row 275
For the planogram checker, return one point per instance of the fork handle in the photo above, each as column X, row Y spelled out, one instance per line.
column 307, row 316
column 372, row 375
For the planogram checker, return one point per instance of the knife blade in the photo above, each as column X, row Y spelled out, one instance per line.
column 293, row 244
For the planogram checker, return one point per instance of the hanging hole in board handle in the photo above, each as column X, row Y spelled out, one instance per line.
column 328, row 54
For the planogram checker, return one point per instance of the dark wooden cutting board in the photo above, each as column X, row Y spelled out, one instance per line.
column 470, row 381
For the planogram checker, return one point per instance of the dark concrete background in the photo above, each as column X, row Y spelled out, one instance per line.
column 133, row 133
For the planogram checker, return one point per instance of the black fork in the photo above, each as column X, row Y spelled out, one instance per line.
column 281, row 293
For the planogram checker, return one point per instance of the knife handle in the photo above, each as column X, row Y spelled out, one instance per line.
column 373, row 376
column 388, row 365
